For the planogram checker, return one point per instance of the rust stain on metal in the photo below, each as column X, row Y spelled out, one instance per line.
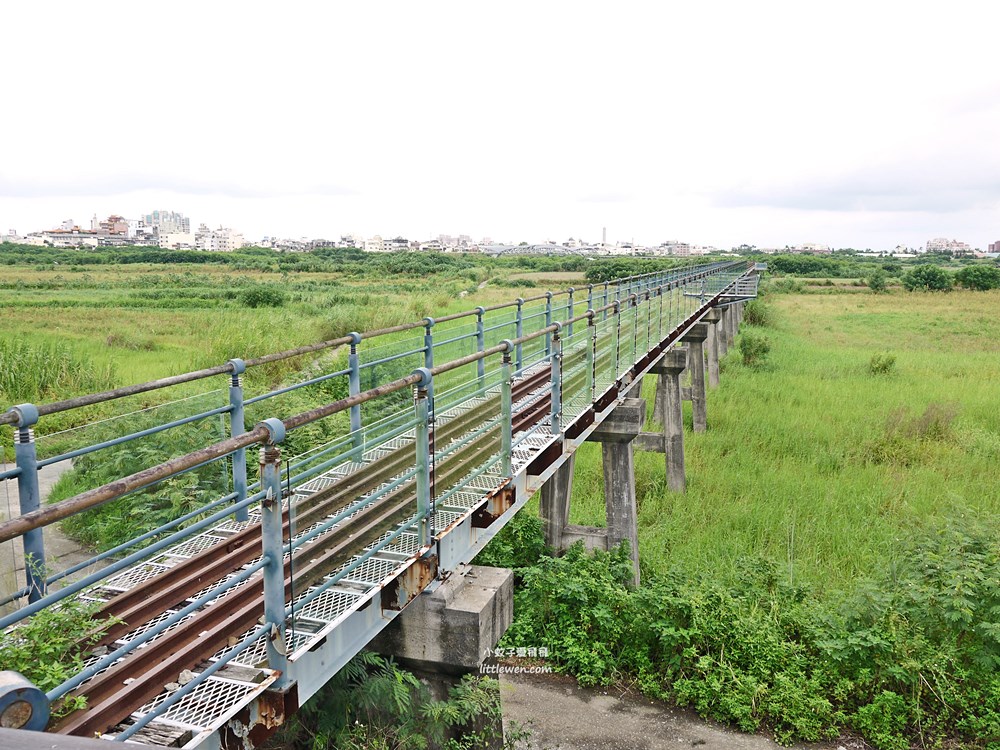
column 404, row 588
column 253, row 725
column 497, row 503
column 546, row 458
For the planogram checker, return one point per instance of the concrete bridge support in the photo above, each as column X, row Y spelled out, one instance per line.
column 723, row 331
column 712, row 319
column 695, row 339
column 671, row 440
column 554, row 505
column 450, row 630
column 616, row 435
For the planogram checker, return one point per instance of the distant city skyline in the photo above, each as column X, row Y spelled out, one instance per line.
column 171, row 230
column 727, row 123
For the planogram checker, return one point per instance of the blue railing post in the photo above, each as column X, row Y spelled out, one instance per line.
column 237, row 426
column 480, row 344
column 423, row 457
column 272, row 545
column 649, row 319
column 569, row 313
column 548, row 322
column 604, row 301
column 555, row 378
column 592, row 356
column 26, row 458
column 616, row 334
column 518, row 333
column 659, row 329
column 506, row 414
column 429, row 362
column 590, row 296
column 354, row 385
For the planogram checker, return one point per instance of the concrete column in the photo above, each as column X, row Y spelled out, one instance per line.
column 712, row 318
column 658, row 400
column 553, row 505
column 695, row 339
column 671, row 442
column 723, row 331
column 616, row 434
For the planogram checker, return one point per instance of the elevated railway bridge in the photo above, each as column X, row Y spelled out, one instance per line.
column 230, row 616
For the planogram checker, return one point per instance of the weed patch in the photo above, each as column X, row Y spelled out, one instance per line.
column 51, row 646
column 754, row 349
column 905, row 437
column 911, row 657
column 758, row 313
column 882, row 364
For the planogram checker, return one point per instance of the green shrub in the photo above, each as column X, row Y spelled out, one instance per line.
column 979, row 277
column 373, row 704
column 51, row 646
column 877, row 281
column 927, row 277
column 517, row 545
column 263, row 295
column 758, row 313
column 912, row 656
column 786, row 286
column 754, row 349
column 882, row 364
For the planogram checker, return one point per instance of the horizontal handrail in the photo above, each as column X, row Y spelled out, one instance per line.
column 261, row 434
column 12, row 416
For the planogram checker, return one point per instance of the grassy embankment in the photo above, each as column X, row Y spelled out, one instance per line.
column 835, row 562
column 803, row 461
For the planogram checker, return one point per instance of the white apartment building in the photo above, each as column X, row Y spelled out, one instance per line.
column 222, row 240
column 178, row 240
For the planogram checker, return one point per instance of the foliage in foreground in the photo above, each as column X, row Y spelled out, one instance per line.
column 372, row 704
column 50, row 647
column 911, row 657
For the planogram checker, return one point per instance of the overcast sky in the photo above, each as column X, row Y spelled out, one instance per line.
column 864, row 124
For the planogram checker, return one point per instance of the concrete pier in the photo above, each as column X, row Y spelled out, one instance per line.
column 695, row 339
column 712, row 319
column 671, row 441
column 553, row 504
column 723, row 331
column 449, row 630
column 616, row 435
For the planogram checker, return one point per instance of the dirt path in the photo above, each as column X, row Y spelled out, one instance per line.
column 563, row 716
column 61, row 551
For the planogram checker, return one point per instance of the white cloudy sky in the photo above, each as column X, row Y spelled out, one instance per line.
column 861, row 124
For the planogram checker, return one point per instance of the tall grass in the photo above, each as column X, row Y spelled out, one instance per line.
column 817, row 464
column 33, row 372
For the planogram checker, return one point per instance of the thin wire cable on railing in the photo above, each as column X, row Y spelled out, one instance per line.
column 114, row 417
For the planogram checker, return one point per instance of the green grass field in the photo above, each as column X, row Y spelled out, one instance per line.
column 801, row 463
